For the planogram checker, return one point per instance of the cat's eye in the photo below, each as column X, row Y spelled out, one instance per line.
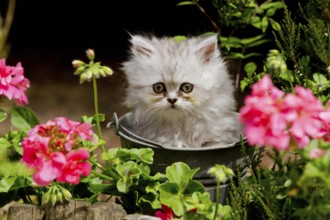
column 186, row 87
column 159, row 87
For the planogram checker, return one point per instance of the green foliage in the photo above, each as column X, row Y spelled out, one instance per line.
column 260, row 195
column 235, row 17
column 23, row 118
column 303, row 53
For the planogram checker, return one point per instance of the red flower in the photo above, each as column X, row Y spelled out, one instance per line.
column 165, row 214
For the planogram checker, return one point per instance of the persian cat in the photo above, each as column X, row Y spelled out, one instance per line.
column 180, row 92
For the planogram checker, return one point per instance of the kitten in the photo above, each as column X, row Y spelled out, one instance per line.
column 180, row 92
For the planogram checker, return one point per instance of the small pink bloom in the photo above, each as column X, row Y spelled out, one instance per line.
column 53, row 150
column 13, row 83
column 316, row 153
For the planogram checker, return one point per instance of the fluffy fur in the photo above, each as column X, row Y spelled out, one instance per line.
column 198, row 118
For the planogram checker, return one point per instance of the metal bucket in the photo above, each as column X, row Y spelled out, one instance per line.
column 203, row 157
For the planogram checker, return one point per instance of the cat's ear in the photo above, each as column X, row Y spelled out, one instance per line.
column 141, row 45
column 208, row 48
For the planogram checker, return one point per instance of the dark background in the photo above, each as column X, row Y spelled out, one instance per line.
column 100, row 24
column 47, row 35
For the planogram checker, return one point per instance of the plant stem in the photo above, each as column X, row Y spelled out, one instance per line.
column 237, row 80
column 217, row 198
column 102, row 175
column 96, row 106
column 214, row 24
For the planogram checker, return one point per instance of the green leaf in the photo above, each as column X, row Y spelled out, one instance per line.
column 251, row 40
column 264, row 24
column 170, row 196
column 6, row 183
column 23, row 118
column 186, row 3
column 179, row 38
column 243, row 84
column 181, row 174
column 250, row 68
column 229, row 42
column 96, row 185
column 128, row 172
column 256, row 22
column 320, row 78
column 270, row 12
column 267, row 5
column 3, row 115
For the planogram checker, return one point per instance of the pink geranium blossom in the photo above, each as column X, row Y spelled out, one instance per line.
column 273, row 118
column 325, row 118
column 13, row 83
column 316, row 153
column 302, row 111
column 264, row 125
column 54, row 150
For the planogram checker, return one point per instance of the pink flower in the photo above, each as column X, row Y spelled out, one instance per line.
column 264, row 125
column 13, row 83
column 325, row 118
column 316, row 153
column 165, row 214
column 75, row 167
column 302, row 111
column 273, row 118
column 53, row 150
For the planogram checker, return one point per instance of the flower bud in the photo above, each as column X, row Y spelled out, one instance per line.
column 45, row 198
column 53, row 198
column 78, row 63
column 107, row 70
column 59, row 196
column 90, row 54
column 79, row 70
column 66, row 193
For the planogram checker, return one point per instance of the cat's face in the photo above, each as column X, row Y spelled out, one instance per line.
column 171, row 79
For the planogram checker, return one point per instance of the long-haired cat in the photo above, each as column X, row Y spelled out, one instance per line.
column 180, row 92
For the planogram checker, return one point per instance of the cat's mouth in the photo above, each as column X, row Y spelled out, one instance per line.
column 173, row 106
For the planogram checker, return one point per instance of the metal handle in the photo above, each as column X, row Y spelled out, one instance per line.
column 114, row 122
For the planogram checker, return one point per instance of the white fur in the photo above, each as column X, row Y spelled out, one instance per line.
column 208, row 117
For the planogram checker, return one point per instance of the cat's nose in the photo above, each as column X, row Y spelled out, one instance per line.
column 172, row 101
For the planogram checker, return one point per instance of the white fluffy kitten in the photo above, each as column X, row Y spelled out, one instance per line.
column 180, row 92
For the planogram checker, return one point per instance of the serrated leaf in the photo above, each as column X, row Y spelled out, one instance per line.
column 128, row 171
column 23, row 118
column 181, row 174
